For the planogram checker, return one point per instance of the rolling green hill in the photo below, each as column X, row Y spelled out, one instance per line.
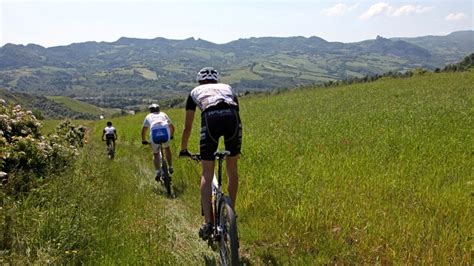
column 131, row 72
column 44, row 107
column 371, row 173
column 82, row 107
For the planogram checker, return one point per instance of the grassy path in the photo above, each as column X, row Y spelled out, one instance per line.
column 149, row 227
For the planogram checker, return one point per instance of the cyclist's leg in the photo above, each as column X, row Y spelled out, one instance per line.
column 233, row 143
column 208, row 145
column 232, row 173
column 156, row 155
column 206, row 189
column 169, row 157
column 156, row 161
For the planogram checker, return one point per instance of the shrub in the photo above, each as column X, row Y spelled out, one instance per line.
column 26, row 156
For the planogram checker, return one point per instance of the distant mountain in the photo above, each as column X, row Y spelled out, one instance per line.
column 449, row 47
column 133, row 71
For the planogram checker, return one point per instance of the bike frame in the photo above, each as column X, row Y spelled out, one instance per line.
column 217, row 193
column 222, row 233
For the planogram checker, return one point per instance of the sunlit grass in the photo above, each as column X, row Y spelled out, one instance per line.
column 375, row 173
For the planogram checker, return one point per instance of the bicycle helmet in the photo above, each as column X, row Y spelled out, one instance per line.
column 207, row 73
column 154, row 107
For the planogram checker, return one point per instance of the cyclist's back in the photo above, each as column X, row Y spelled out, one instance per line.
column 159, row 124
column 161, row 132
column 110, row 134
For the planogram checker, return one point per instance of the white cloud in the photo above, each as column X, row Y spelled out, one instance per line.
column 383, row 8
column 453, row 17
column 376, row 9
column 338, row 10
column 410, row 9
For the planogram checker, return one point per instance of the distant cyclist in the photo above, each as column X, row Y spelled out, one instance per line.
column 110, row 134
column 219, row 117
column 161, row 131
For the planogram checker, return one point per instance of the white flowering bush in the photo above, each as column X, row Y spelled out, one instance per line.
column 26, row 156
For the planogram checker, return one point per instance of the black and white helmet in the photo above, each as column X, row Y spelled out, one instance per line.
column 154, row 107
column 207, row 73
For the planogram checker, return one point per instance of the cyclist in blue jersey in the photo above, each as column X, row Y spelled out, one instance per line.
column 219, row 117
column 161, row 132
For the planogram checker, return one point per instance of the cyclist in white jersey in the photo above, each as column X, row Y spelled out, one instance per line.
column 161, row 132
column 219, row 117
column 110, row 134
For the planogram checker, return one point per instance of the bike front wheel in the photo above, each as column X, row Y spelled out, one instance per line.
column 228, row 237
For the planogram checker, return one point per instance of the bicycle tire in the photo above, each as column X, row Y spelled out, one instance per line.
column 110, row 151
column 166, row 177
column 228, row 241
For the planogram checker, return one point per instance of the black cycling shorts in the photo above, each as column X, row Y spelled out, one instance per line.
column 223, row 121
column 109, row 138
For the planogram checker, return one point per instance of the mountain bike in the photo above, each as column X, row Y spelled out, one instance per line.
column 224, row 219
column 110, row 149
column 165, row 174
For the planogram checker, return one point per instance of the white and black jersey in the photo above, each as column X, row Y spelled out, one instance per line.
column 208, row 95
column 109, row 132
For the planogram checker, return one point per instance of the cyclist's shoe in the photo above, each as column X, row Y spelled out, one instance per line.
column 171, row 170
column 205, row 231
column 158, row 177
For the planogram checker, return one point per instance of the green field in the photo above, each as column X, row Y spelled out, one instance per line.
column 83, row 107
column 371, row 173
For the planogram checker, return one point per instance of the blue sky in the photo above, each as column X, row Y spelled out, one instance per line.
column 54, row 22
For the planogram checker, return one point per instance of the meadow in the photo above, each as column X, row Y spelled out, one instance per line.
column 83, row 107
column 370, row 173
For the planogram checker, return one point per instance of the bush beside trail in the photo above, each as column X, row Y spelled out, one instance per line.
column 25, row 155
column 28, row 161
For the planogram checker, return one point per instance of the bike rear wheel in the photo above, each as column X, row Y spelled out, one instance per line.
column 110, row 151
column 228, row 237
column 166, row 178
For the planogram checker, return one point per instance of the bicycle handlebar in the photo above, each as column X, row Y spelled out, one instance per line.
column 197, row 156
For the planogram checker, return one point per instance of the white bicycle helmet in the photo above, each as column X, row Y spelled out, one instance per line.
column 207, row 73
column 154, row 107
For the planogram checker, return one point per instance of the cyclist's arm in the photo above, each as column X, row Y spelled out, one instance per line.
column 144, row 131
column 188, row 124
column 236, row 100
column 170, row 125
column 103, row 134
column 115, row 133
column 172, row 129
column 188, row 121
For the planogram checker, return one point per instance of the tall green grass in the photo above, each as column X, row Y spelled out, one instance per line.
column 369, row 173
column 375, row 173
